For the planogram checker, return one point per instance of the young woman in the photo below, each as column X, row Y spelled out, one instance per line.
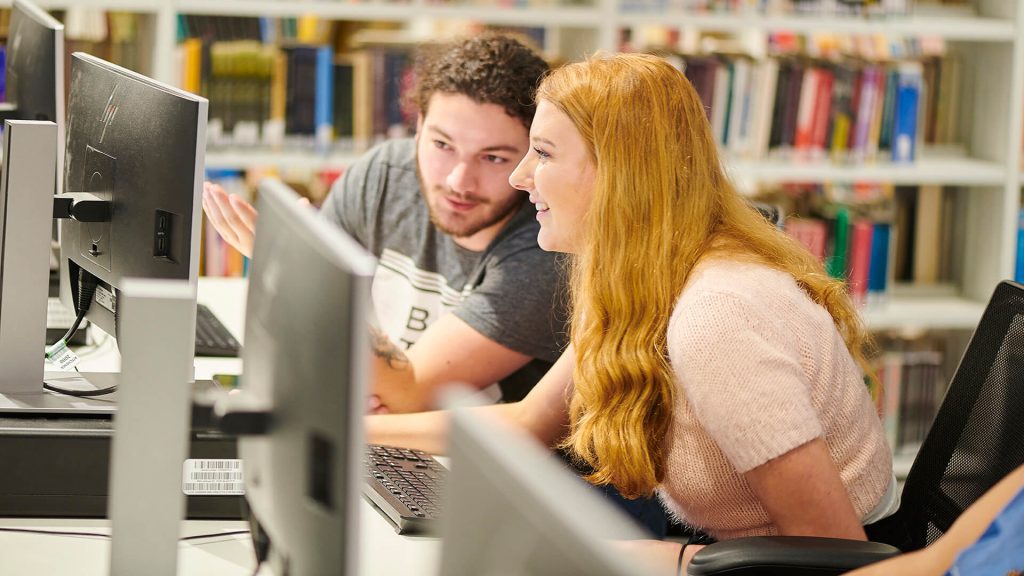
column 711, row 360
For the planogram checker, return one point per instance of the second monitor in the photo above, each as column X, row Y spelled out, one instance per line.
column 132, row 173
column 306, row 355
column 135, row 146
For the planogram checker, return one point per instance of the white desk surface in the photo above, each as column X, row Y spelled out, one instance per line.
column 382, row 551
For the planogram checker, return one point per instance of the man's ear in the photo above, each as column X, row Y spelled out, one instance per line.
column 419, row 126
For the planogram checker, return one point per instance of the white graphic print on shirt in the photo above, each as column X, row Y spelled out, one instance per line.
column 408, row 299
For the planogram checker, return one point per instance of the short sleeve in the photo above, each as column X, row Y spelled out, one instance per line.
column 520, row 303
column 740, row 371
column 353, row 199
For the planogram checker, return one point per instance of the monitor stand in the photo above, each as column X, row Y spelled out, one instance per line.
column 43, row 402
column 26, row 212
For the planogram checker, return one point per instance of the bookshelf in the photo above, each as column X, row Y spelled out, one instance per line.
column 984, row 163
column 985, row 34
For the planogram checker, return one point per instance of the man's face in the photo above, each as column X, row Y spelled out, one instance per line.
column 465, row 154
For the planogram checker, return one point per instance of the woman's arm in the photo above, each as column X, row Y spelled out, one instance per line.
column 661, row 556
column 543, row 413
column 937, row 558
column 804, row 494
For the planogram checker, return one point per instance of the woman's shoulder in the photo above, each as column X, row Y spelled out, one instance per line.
column 750, row 283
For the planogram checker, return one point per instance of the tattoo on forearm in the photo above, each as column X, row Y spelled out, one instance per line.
column 385, row 349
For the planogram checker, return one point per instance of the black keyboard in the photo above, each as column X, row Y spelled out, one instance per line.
column 212, row 337
column 407, row 485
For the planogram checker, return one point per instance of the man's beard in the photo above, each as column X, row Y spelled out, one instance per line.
column 466, row 228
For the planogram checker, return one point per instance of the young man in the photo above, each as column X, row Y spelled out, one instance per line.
column 462, row 292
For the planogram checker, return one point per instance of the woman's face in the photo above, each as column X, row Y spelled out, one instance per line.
column 559, row 175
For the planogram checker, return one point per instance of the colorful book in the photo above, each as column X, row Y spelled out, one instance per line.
column 878, row 269
column 1019, row 271
column 860, row 260
column 927, row 234
column 908, row 95
column 323, row 113
column 835, row 264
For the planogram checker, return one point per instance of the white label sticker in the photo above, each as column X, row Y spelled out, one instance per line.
column 61, row 356
column 105, row 298
column 208, row 477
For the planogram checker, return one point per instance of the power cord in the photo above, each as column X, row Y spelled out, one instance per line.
column 80, row 393
column 86, row 290
column 102, row 535
column 54, row 532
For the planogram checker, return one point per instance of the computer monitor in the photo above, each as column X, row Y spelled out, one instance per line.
column 513, row 508
column 139, row 146
column 306, row 357
column 35, row 70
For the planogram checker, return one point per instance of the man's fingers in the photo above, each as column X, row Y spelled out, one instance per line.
column 216, row 217
column 246, row 213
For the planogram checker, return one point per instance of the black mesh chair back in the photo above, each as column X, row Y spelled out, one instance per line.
column 771, row 212
column 977, row 437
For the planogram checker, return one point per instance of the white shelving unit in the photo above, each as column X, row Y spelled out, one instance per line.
column 989, row 38
column 991, row 43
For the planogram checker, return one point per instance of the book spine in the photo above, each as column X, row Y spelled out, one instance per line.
column 908, row 95
column 836, row 263
column 1019, row 272
column 878, row 274
column 324, row 99
column 860, row 260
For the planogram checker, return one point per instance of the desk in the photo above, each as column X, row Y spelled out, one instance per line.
column 382, row 551
column 225, row 296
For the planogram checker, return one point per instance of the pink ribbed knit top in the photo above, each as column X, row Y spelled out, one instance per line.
column 761, row 370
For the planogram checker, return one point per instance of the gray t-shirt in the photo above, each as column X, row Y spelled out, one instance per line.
column 512, row 292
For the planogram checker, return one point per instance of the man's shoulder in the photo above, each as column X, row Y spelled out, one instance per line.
column 387, row 173
column 520, row 234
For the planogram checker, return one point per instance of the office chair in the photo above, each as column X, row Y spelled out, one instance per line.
column 975, row 440
column 772, row 212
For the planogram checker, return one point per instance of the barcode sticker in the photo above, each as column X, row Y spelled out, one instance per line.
column 208, row 477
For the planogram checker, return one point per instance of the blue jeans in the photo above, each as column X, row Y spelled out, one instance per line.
column 647, row 512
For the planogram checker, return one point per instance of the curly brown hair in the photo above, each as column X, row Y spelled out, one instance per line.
column 490, row 68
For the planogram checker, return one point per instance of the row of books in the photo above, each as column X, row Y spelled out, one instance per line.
column 306, row 29
column 847, row 112
column 913, row 383
column 307, row 96
column 875, row 235
column 305, row 83
column 856, row 249
column 513, row 4
column 841, row 8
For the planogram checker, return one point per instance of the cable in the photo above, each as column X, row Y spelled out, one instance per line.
column 102, row 535
column 72, row 330
column 86, row 290
column 214, row 535
column 80, row 393
column 54, row 532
